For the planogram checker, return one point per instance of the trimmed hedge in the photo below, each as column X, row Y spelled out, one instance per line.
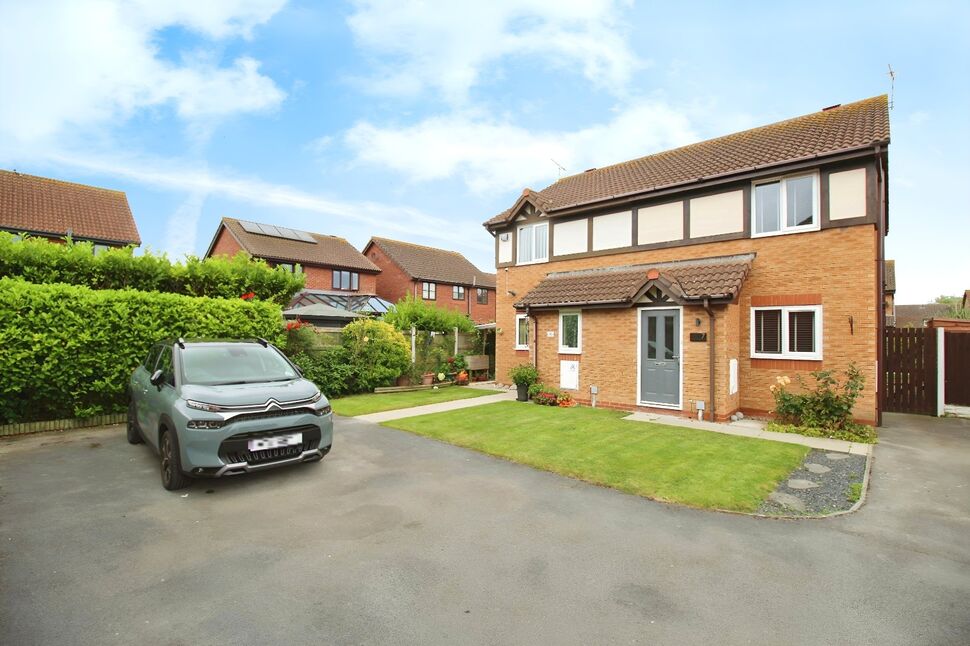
column 68, row 351
column 38, row 260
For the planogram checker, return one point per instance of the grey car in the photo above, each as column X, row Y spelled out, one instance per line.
column 221, row 408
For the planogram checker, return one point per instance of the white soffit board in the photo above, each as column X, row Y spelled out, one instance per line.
column 660, row 223
column 847, row 194
column 570, row 237
column 569, row 375
column 716, row 214
column 613, row 230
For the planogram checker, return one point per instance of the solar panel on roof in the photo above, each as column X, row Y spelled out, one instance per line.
column 250, row 227
column 276, row 232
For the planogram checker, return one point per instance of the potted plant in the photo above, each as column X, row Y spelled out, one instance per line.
column 523, row 376
column 461, row 378
column 427, row 379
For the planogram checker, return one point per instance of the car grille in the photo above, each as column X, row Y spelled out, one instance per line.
column 286, row 412
column 235, row 449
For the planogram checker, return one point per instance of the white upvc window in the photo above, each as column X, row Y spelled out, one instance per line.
column 521, row 332
column 533, row 243
column 570, row 332
column 785, row 205
column 792, row 332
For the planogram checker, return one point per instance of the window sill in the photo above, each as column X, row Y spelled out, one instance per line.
column 789, row 357
column 520, row 348
column 532, row 262
column 786, row 232
column 573, row 351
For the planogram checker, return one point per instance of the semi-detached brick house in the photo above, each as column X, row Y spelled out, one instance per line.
column 54, row 209
column 328, row 262
column 443, row 277
column 694, row 277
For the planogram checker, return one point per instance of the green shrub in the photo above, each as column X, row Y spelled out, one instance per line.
column 329, row 368
column 823, row 409
column 414, row 312
column 524, row 374
column 69, row 350
column 549, row 396
column 38, row 260
column 378, row 354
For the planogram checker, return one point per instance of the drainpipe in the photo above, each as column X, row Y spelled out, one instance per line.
column 882, row 229
column 711, row 347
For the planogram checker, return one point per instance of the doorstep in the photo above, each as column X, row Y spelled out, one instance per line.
column 755, row 429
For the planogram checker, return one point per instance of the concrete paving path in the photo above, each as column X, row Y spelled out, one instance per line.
column 752, row 428
column 440, row 407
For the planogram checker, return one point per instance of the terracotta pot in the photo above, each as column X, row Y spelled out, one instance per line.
column 427, row 379
column 404, row 380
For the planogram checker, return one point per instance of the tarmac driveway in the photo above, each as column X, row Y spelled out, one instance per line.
column 399, row 539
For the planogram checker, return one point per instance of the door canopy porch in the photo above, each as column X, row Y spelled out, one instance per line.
column 717, row 279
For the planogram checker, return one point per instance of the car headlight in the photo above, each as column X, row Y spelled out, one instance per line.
column 205, row 423
column 320, row 412
column 316, row 397
column 212, row 408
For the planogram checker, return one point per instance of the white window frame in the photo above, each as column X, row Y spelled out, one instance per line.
column 579, row 332
column 518, row 246
column 429, row 291
column 783, row 205
column 785, row 352
column 519, row 317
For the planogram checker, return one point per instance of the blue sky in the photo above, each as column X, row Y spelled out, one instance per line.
column 421, row 120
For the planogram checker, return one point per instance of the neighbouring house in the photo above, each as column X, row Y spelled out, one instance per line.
column 919, row 315
column 54, row 209
column 443, row 277
column 330, row 264
column 689, row 280
column 321, row 315
column 889, row 292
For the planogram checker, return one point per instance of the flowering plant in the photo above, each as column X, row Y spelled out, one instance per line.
column 248, row 296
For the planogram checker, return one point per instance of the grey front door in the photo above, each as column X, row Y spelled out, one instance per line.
column 660, row 356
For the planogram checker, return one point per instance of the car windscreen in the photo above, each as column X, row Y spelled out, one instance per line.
column 237, row 363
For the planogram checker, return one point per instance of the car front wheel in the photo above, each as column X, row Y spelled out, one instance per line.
column 168, row 449
column 134, row 436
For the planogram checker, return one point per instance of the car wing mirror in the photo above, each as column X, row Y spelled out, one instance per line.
column 157, row 378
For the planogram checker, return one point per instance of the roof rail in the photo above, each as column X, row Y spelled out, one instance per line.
column 181, row 343
column 263, row 342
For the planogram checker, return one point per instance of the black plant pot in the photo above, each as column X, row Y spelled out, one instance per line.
column 523, row 392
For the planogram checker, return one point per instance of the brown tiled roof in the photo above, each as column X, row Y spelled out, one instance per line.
column 50, row 206
column 429, row 263
column 915, row 315
column 329, row 251
column 683, row 280
column 847, row 127
column 889, row 276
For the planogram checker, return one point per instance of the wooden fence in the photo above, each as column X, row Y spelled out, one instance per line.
column 957, row 368
column 910, row 362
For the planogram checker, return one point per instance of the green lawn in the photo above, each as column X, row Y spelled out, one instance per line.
column 354, row 405
column 683, row 465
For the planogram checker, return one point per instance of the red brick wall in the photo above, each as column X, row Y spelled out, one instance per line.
column 838, row 265
column 393, row 283
column 225, row 244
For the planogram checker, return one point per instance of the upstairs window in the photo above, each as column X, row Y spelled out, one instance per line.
column 346, row 280
column 521, row 332
column 482, row 296
column 457, row 293
column 100, row 249
column 533, row 243
column 786, row 332
column 785, row 205
column 429, row 291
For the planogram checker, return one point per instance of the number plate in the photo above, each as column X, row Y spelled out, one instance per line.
column 280, row 441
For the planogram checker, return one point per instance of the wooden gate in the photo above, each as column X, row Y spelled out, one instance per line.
column 909, row 359
column 957, row 368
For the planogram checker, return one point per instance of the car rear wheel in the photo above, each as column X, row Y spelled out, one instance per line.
column 134, row 436
column 168, row 449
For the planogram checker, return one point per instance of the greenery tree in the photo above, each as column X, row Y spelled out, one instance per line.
column 955, row 309
column 414, row 312
column 378, row 353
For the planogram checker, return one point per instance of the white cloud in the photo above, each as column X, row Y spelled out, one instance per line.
column 182, row 227
column 490, row 154
column 92, row 62
column 445, row 45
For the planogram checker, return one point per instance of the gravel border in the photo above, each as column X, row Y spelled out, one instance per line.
column 830, row 493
